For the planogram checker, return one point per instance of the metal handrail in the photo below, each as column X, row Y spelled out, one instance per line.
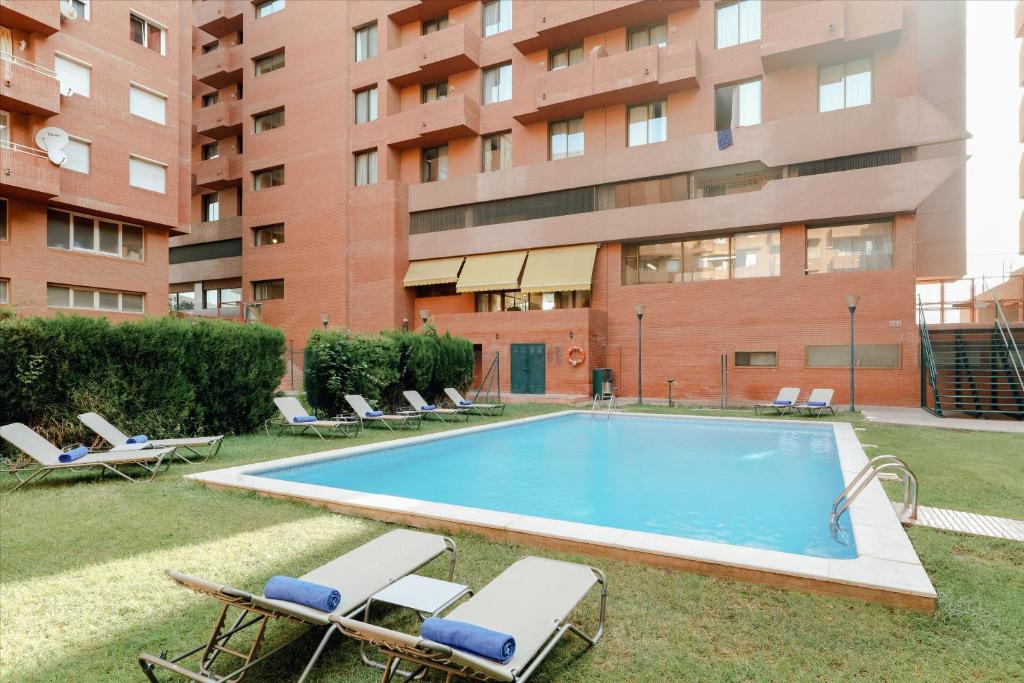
column 598, row 398
column 876, row 466
column 1003, row 327
column 14, row 146
column 929, row 356
column 32, row 66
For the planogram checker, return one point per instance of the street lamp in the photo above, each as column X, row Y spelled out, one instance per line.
column 851, row 303
column 405, row 324
column 424, row 316
column 640, row 354
column 324, row 319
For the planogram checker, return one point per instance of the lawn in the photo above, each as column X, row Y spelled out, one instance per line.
column 82, row 589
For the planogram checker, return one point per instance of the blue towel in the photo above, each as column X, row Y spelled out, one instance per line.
column 430, row 407
column 465, row 403
column 374, row 413
column 138, row 438
column 74, row 454
column 304, row 418
column 816, row 404
column 301, row 592
column 480, row 641
column 724, row 138
column 782, row 403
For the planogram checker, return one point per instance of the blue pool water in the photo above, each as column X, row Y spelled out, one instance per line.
column 745, row 483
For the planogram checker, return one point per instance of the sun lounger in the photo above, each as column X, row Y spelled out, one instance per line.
column 115, row 437
column 817, row 403
column 459, row 401
column 294, row 416
column 44, row 458
column 783, row 403
column 367, row 415
column 357, row 575
column 532, row 601
column 420, row 406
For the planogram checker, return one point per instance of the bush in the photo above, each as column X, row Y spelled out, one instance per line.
column 380, row 367
column 158, row 376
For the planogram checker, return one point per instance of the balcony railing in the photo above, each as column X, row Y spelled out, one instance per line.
column 27, row 87
column 971, row 299
column 220, row 17
column 26, row 171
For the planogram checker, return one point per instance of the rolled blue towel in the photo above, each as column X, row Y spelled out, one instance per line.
column 74, row 454
column 465, row 403
column 475, row 639
column 430, row 407
column 374, row 413
column 138, row 438
column 782, row 403
column 323, row 598
column 304, row 418
column 816, row 404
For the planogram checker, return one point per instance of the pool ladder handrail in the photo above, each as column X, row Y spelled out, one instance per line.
column 878, row 465
column 598, row 398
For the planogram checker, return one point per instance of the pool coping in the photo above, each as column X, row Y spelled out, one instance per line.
column 887, row 569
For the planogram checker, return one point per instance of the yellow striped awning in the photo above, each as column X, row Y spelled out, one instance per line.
column 491, row 272
column 559, row 269
column 433, row 272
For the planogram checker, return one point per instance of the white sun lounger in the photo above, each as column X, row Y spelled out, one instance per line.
column 785, row 402
column 290, row 408
column 460, row 402
column 414, row 399
column 817, row 403
column 115, row 437
column 365, row 414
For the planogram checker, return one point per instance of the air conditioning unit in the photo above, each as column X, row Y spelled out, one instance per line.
column 68, row 11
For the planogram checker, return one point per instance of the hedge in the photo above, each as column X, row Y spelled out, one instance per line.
column 380, row 367
column 159, row 376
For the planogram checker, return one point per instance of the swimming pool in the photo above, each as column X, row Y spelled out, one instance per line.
column 760, row 485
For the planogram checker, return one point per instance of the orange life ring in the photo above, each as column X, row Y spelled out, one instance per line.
column 575, row 356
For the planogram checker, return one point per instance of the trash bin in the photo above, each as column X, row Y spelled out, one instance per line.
column 601, row 382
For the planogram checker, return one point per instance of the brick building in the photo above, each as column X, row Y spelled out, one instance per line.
column 94, row 112
column 525, row 173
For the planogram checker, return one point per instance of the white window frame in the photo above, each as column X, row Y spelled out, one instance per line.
column 145, row 34
column 5, row 291
column 274, row 8
column 96, row 237
column 95, row 299
column 148, row 91
column 371, row 157
column 79, row 62
column 88, row 144
column 146, row 160
column 502, row 86
column 845, row 86
column 372, row 104
column 371, row 45
column 504, row 17
column 6, row 227
column 648, row 124
column 722, row 7
column 86, row 14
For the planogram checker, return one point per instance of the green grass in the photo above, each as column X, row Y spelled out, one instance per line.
column 82, row 591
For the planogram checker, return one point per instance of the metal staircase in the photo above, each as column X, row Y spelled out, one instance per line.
column 972, row 369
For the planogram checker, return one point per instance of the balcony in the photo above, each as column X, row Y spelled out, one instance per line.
column 27, row 172
column 827, row 30
column 220, row 173
column 417, row 10
column 220, row 120
column 603, row 81
column 435, row 123
column 220, row 68
column 220, row 17
column 31, row 15
column 28, row 88
column 435, row 56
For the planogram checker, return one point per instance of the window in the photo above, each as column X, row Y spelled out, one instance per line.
column 435, row 163
column 268, row 120
column 4, row 296
column 58, row 296
column 705, row 259
column 268, row 177
column 148, row 34
column 219, row 298
column 3, row 219
column 642, row 192
column 738, row 104
column 81, row 8
column 647, row 123
column 147, row 104
column 265, row 290
column 366, row 167
column 433, row 92
column 182, row 301
column 564, row 57
column 737, row 22
column 366, row 105
column 488, row 302
column 845, row 248
column 268, row 234
column 72, row 74
column 205, row 251
column 565, row 139
column 435, row 25
column 755, row 359
column 497, row 151
column 211, row 207
column 744, row 255
column 498, row 83
column 497, row 16
column 78, row 232
column 77, row 152
column 210, row 47
column 268, row 63
column 147, row 174
column 645, row 36
column 211, row 99
column 268, row 7
column 864, row 356
column 841, row 86
column 756, row 254
column 366, row 42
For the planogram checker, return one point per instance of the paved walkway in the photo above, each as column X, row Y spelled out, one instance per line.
column 917, row 417
column 967, row 523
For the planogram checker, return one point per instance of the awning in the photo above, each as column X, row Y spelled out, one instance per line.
column 559, row 269
column 491, row 272
column 433, row 272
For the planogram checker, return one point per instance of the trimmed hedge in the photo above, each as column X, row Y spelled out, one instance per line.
column 159, row 376
column 380, row 367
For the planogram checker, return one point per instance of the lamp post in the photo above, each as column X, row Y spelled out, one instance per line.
column 851, row 303
column 640, row 354
column 424, row 316
column 325, row 319
column 405, row 324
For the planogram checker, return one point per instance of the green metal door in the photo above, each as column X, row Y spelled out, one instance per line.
column 528, row 372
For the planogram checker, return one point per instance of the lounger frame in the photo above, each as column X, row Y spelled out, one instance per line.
column 333, row 427
column 109, row 433
column 152, row 464
column 413, row 397
column 481, row 409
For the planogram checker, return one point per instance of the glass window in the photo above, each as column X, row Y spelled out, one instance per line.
column 498, row 83
column 147, row 34
column 648, row 123
column 864, row 356
column 268, row 234
column 706, row 259
column 434, row 91
column 266, row 290
column 81, row 8
column 110, row 238
column 268, row 121
column 147, row 104
column 131, row 242
column 270, row 177
column 756, row 254
column 645, row 36
column 435, row 163
column 83, row 298
column 147, row 175
column 366, row 167
column 210, row 47
column 77, row 152
column 109, row 301
column 565, row 139
column 73, row 75
column 497, row 151
column 273, row 62
column 210, row 151
column 211, row 207
column 435, row 25
column 211, row 99
column 132, row 303
column 565, row 57
column 83, row 231
column 497, row 16
column 4, row 295
column 738, row 104
column 268, row 7
column 366, row 105
column 737, row 22
column 182, row 301
column 844, row 248
column 58, row 297
column 3, row 219
column 844, row 85
column 661, row 262
column 366, row 42
column 58, row 229
column 755, row 359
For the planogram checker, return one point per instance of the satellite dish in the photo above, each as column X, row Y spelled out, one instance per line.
column 68, row 11
column 66, row 90
column 53, row 140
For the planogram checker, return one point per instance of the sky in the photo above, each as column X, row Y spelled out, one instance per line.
column 993, row 101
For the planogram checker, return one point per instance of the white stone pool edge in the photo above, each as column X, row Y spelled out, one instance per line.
column 886, row 561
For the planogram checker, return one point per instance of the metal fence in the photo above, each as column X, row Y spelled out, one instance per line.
column 970, row 299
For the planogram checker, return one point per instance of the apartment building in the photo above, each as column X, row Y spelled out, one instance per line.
column 93, row 133
column 531, row 174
